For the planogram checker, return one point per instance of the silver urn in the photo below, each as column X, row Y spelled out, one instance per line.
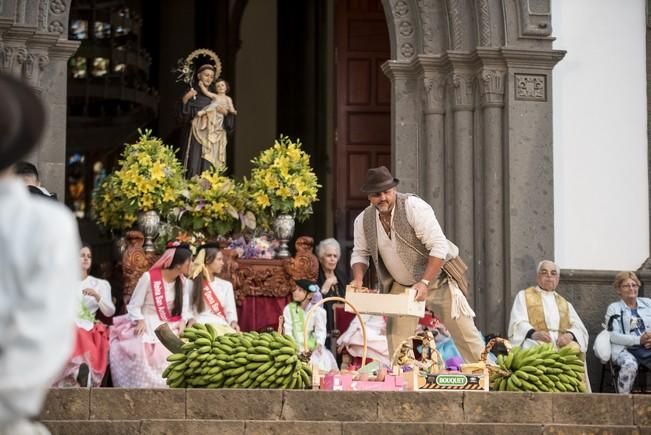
column 284, row 225
column 149, row 224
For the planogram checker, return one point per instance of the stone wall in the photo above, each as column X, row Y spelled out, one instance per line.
column 104, row 411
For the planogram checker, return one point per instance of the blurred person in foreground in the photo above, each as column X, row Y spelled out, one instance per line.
column 39, row 267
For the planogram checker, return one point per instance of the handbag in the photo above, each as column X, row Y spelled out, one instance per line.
column 602, row 347
column 642, row 354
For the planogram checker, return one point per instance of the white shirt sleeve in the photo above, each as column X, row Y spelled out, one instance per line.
column 134, row 308
column 519, row 323
column 420, row 216
column 187, row 312
column 39, row 295
column 229, row 303
column 287, row 321
column 320, row 332
column 105, row 303
column 360, row 253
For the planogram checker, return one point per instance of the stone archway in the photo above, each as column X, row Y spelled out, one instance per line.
column 34, row 45
column 472, row 133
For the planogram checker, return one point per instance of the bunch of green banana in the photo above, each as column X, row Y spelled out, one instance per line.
column 242, row 360
column 539, row 368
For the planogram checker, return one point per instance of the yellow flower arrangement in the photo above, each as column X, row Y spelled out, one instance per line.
column 149, row 178
column 282, row 182
column 215, row 206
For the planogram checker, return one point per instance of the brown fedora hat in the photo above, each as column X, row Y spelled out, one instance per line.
column 379, row 180
column 22, row 120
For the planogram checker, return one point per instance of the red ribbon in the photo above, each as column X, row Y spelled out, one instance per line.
column 212, row 300
column 158, row 293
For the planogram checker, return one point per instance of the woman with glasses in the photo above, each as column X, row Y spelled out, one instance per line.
column 631, row 334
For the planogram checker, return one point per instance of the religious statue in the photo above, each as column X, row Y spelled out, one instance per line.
column 206, row 108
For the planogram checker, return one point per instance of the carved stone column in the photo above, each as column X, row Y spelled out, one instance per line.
column 433, row 153
column 406, row 132
column 529, row 191
column 491, row 88
column 461, row 92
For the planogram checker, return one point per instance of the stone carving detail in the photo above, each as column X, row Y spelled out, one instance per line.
column 426, row 8
column 407, row 50
column 401, row 8
column 28, row 66
column 462, row 91
column 6, row 58
column 43, row 61
column 456, row 28
column 57, row 6
column 484, row 24
column 406, row 29
column 21, row 55
column 530, row 87
column 55, row 27
column 434, row 93
column 535, row 18
column 42, row 15
column 491, row 87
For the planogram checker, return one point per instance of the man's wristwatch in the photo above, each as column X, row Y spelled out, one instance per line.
column 425, row 281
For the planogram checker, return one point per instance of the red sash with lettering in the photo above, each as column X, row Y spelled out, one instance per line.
column 212, row 300
column 158, row 293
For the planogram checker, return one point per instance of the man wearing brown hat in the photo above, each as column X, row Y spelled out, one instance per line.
column 39, row 271
column 401, row 234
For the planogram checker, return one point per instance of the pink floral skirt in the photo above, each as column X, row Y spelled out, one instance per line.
column 134, row 363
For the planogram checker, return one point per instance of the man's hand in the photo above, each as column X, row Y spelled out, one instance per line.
column 541, row 336
column 564, row 340
column 357, row 283
column 421, row 291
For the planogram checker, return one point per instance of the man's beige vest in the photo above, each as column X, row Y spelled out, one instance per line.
column 409, row 249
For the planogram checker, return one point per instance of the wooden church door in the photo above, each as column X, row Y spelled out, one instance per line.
column 363, row 109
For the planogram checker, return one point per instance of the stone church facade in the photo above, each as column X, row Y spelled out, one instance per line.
column 471, row 126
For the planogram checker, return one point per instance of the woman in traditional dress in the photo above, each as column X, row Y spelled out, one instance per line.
column 92, row 342
column 213, row 300
column 305, row 295
column 137, row 357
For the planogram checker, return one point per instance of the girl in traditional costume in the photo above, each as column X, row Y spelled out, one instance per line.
column 162, row 294
column 213, row 300
column 305, row 295
column 92, row 340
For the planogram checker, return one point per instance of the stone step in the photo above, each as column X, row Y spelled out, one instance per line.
column 248, row 427
column 101, row 404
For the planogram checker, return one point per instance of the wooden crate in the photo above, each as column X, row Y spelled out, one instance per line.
column 385, row 304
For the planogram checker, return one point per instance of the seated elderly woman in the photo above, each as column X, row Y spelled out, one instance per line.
column 631, row 334
column 331, row 279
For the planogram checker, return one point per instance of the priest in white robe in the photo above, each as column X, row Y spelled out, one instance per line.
column 541, row 315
